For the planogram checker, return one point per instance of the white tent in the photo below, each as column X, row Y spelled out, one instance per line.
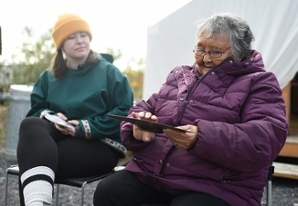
column 273, row 22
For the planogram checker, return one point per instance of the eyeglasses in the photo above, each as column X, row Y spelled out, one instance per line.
column 212, row 53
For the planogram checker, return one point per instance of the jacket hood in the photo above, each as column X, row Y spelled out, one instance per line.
column 232, row 68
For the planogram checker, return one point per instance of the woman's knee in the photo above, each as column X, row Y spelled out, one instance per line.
column 29, row 122
column 112, row 189
column 197, row 198
column 104, row 190
column 33, row 130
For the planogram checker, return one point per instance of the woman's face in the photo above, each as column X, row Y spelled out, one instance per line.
column 212, row 46
column 77, row 46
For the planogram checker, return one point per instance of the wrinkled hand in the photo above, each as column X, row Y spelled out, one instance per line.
column 66, row 130
column 183, row 140
column 140, row 134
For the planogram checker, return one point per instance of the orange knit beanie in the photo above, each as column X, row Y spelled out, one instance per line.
column 66, row 25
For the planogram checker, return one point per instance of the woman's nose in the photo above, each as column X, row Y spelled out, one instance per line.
column 207, row 57
column 79, row 39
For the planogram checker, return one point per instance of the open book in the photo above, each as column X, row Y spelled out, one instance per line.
column 147, row 125
column 56, row 119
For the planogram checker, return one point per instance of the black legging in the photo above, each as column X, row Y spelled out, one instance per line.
column 125, row 189
column 41, row 144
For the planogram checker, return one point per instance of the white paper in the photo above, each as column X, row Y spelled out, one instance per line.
column 56, row 119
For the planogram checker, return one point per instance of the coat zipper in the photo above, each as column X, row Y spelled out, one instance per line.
column 191, row 92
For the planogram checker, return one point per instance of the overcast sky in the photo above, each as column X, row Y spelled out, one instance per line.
column 118, row 24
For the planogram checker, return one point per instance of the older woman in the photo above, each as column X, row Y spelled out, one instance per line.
column 235, row 125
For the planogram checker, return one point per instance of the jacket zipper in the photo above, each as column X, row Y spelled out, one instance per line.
column 191, row 92
column 222, row 176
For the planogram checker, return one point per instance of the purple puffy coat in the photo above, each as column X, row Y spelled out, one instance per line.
column 240, row 114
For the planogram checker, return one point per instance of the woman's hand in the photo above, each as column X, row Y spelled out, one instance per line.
column 66, row 130
column 183, row 140
column 140, row 134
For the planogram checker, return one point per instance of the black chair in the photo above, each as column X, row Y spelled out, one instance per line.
column 74, row 182
column 82, row 182
column 268, row 187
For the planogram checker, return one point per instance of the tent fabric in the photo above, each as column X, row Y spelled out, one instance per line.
column 274, row 24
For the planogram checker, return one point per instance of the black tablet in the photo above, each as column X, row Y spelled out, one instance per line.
column 146, row 125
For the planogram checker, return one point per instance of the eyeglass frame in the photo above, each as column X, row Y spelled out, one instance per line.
column 209, row 52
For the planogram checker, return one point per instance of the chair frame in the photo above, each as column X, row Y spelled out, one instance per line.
column 82, row 182
column 74, row 182
column 269, row 187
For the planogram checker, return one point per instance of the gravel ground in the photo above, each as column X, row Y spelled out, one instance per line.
column 285, row 191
